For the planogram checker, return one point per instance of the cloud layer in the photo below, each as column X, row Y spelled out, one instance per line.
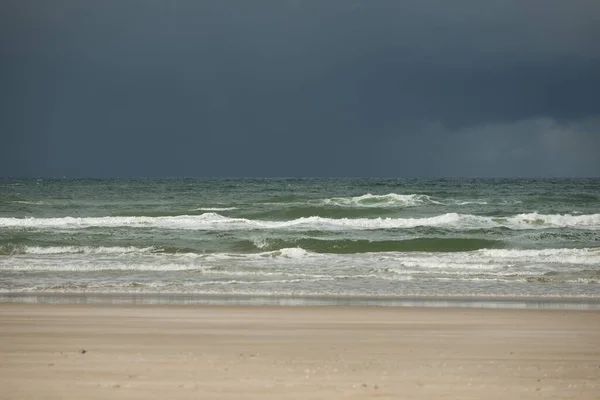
column 272, row 88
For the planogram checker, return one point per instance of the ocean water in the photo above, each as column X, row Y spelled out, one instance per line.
column 372, row 238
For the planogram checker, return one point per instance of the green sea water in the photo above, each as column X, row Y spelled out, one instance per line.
column 302, row 237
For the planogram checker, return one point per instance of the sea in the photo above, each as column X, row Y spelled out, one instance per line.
column 502, row 242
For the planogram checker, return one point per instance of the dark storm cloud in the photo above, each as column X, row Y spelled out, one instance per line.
column 339, row 87
column 528, row 147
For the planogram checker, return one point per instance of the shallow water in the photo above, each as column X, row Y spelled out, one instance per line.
column 302, row 237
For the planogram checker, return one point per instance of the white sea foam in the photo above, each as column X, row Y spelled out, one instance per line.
column 294, row 252
column 85, row 250
column 546, row 255
column 492, row 258
column 297, row 270
column 86, row 264
column 464, row 202
column 288, row 261
column 214, row 221
column 214, row 209
column 591, row 221
column 385, row 200
column 392, row 200
column 260, row 242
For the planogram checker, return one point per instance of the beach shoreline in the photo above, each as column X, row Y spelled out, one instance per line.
column 99, row 351
column 202, row 299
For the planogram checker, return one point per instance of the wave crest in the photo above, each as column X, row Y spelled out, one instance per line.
column 10, row 249
column 214, row 221
column 384, row 200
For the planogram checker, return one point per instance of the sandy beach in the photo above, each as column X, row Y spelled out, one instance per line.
column 185, row 352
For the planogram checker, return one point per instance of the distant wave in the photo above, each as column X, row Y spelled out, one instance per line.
column 214, row 209
column 385, row 200
column 466, row 202
column 369, row 200
column 392, row 200
column 213, row 221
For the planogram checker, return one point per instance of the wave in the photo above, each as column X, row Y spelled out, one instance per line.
column 393, row 200
column 257, row 245
column 34, row 203
column 214, row 209
column 10, row 249
column 169, row 287
column 369, row 200
column 530, row 257
column 558, row 255
column 385, row 200
column 551, row 264
column 214, row 221
column 298, row 269
column 306, row 211
column 591, row 221
column 355, row 246
column 466, row 202
column 151, row 258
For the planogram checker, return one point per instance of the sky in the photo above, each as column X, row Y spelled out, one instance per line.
column 386, row 88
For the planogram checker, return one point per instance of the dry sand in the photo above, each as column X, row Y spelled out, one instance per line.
column 166, row 352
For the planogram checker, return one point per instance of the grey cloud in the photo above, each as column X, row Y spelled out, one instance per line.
column 537, row 147
column 297, row 87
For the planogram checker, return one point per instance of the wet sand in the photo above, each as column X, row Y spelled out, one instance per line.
column 247, row 352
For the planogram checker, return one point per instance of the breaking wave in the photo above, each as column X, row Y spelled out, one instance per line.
column 355, row 246
column 10, row 249
column 214, row 221
column 215, row 209
column 393, row 200
column 385, row 200
column 512, row 261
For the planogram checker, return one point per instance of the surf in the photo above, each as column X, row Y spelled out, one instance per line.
column 214, row 221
